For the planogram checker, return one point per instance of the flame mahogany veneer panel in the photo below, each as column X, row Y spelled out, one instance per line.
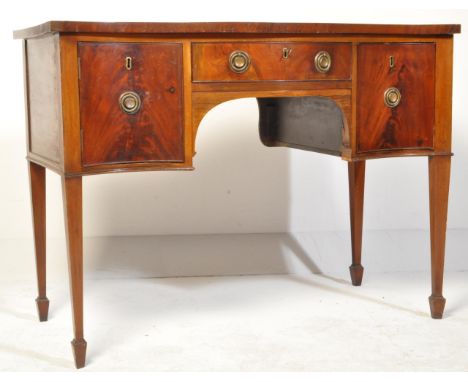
column 411, row 123
column 155, row 132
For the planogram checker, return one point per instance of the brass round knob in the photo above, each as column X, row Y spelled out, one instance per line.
column 323, row 61
column 130, row 102
column 392, row 97
column 239, row 61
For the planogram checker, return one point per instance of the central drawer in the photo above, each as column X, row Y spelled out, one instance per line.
column 275, row 61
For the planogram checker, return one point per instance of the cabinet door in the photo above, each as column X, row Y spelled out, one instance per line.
column 408, row 68
column 131, row 102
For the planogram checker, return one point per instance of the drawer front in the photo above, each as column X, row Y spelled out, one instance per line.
column 395, row 96
column 271, row 61
column 131, row 102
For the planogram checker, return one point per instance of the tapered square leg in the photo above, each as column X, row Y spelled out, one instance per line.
column 72, row 200
column 356, row 176
column 79, row 352
column 439, row 180
column 38, row 204
column 42, row 304
column 437, row 305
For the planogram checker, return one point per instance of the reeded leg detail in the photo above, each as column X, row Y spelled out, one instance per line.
column 38, row 204
column 439, row 180
column 72, row 200
column 356, row 176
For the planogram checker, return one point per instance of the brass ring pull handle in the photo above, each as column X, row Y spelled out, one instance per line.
column 239, row 61
column 392, row 97
column 323, row 61
column 130, row 102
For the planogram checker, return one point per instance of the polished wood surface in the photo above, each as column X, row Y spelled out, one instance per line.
column 72, row 132
column 38, row 204
column 210, row 61
column 234, row 28
column 439, row 181
column 155, row 132
column 181, row 71
column 73, row 211
column 356, row 180
column 411, row 123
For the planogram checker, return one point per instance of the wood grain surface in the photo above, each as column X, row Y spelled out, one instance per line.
column 411, row 123
column 211, row 61
column 155, row 132
column 234, row 28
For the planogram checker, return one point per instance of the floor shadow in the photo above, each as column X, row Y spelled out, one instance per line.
column 302, row 255
column 357, row 295
column 185, row 256
column 218, row 192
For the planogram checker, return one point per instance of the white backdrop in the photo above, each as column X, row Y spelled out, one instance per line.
column 239, row 186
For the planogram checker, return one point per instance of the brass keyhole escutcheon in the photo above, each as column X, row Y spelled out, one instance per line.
column 239, row 61
column 130, row 102
column 323, row 61
column 128, row 63
column 392, row 97
column 286, row 52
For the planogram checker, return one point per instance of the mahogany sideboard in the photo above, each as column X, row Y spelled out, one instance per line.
column 113, row 97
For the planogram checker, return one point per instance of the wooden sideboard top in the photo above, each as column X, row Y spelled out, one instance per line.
column 234, row 28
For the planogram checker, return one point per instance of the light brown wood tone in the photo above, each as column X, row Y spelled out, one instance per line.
column 73, row 212
column 353, row 135
column 356, row 177
column 269, row 86
column 439, row 181
column 187, row 104
column 439, row 171
column 38, row 204
column 443, row 101
column 71, row 134
column 43, row 79
column 391, row 154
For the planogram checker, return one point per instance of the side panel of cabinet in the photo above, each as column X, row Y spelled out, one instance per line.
column 151, row 70
column 410, row 68
column 42, row 70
